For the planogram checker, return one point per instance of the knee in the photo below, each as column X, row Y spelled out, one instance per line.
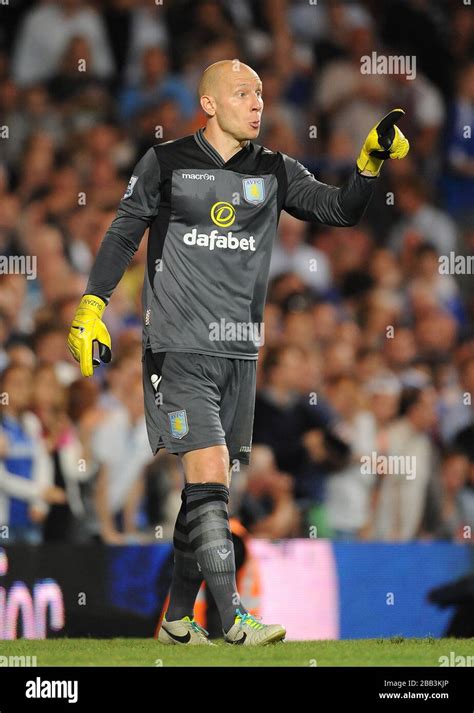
column 207, row 465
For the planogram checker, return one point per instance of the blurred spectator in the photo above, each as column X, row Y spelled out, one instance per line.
column 442, row 287
column 46, row 31
column 142, row 26
column 18, row 352
column 71, row 462
column 425, row 115
column 154, row 85
column 331, row 32
column 50, row 345
column 449, row 519
column 278, row 110
column 268, row 508
column 298, row 326
column 121, row 375
column 418, row 27
column 400, row 351
column 120, row 446
column 349, row 490
column 460, row 40
column 162, row 494
column 384, row 391
column 420, row 220
column 29, row 112
column 26, row 474
column 348, row 99
column 69, row 81
column 298, row 432
column 291, row 253
column 402, row 487
column 458, row 183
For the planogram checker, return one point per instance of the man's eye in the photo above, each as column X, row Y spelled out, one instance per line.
column 242, row 94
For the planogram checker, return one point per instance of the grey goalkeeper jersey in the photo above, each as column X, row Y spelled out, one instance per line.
column 212, row 224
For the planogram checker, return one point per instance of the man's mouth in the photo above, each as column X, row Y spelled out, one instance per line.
column 255, row 124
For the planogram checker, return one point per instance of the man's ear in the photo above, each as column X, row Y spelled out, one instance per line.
column 208, row 105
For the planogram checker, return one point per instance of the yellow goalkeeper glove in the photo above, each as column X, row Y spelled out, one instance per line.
column 384, row 141
column 87, row 327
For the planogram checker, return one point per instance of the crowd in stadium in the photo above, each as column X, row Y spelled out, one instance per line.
column 368, row 345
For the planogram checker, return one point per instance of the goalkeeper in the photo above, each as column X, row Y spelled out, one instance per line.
column 211, row 202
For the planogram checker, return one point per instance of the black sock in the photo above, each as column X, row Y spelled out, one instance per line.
column 211, row 540
column 187, row 577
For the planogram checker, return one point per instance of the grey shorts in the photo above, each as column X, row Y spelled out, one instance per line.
column 194, row 401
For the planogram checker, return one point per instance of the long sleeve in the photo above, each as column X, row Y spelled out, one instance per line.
column 101, row 52
column 42, row 475
column 43, row 468
column 28, row 66
column 309, row 199
column 137, row 208
column 17, row 487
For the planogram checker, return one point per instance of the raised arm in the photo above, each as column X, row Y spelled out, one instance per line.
column 309, row 199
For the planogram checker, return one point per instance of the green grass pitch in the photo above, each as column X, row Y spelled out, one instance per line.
column 396, row 651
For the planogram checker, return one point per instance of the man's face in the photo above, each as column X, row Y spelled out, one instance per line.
column 239, row 104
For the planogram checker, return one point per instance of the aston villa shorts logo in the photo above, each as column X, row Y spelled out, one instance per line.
column 254, row 190
column 178, row 423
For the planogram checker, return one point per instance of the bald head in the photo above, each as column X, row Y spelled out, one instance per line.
column 221, row 74
column 230, row 93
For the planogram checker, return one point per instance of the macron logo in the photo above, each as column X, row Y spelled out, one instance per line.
column 199, row 176
column 38, row 688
